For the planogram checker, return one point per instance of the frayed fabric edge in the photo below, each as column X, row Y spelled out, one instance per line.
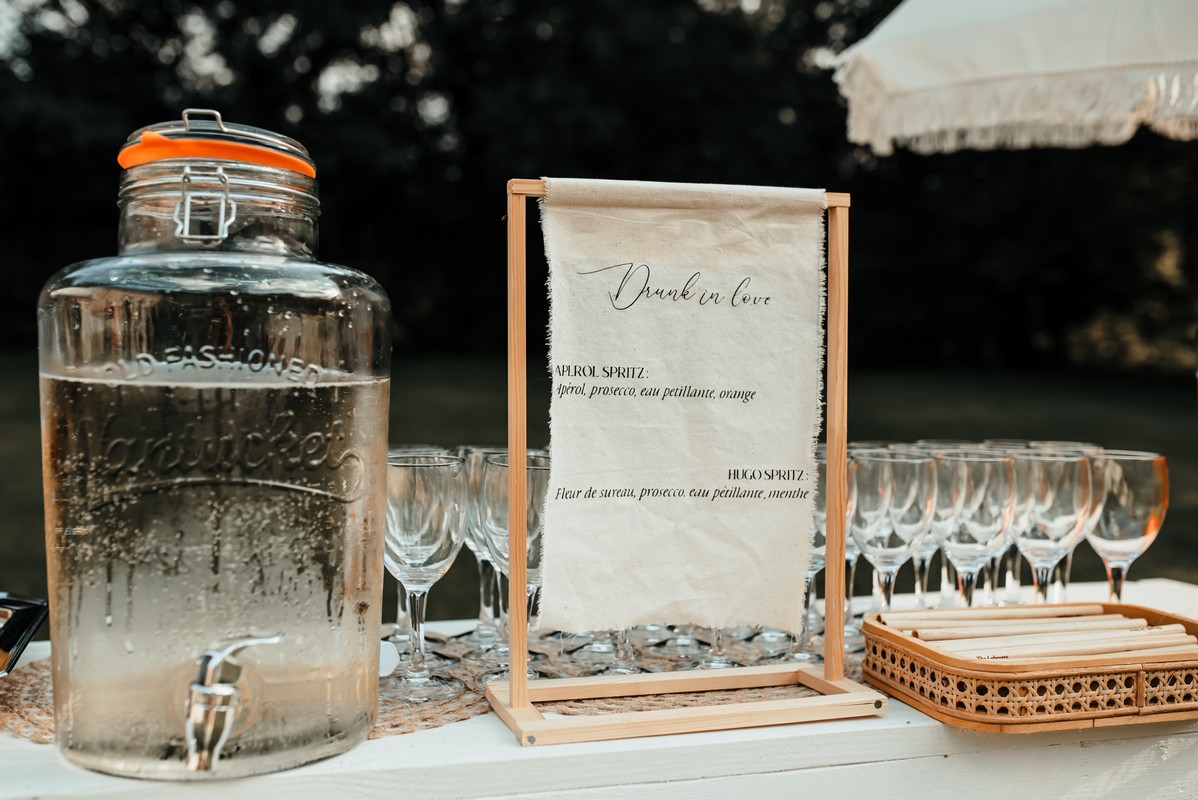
column 1067, row 109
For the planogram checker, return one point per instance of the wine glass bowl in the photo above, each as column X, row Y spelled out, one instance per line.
column 494, row 518
column 896, row 495
column 979, row 512
column 487, row 630
column 423, row 535
column 1060, row 502
column 1134, row 487
column 494, row 511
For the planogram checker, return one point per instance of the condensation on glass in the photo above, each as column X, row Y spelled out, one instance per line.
column 214, row 410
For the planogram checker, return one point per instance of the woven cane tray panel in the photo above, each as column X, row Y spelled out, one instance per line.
column 1026, row 696
column 1168, row 690
column 994, row 698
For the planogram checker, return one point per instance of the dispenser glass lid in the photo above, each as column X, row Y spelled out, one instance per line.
column 202, row 133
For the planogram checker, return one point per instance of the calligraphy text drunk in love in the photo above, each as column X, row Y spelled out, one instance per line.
column 634, row 285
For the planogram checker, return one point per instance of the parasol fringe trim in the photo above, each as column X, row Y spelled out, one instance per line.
column 1060, row 110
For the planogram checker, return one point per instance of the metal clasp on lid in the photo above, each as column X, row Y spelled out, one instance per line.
column 191, row 198
column 188, row 113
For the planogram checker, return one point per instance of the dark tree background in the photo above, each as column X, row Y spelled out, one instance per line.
column 417, row 113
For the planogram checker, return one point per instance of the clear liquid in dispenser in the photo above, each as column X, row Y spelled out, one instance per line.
column 244, row 506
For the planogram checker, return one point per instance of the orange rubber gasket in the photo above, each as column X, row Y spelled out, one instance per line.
column 155, row 147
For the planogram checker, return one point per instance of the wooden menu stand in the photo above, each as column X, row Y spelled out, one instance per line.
column 839, row 698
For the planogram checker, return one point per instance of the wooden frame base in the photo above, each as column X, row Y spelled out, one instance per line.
column 839, row 698
column 842, row 699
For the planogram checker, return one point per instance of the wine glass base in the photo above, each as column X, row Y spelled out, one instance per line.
column 622, row 669
column 595, row 657
column 481, row 681
column 769, row 644
column 854, row 639
column 648, row 635
column 432, row 662
column 473, row 639
column 493, row 659
column 800, row 657
column 568, row 639
column 707, row 662
column 681, row 649
column 433, row 689
column 560, row 644
column 739, row 633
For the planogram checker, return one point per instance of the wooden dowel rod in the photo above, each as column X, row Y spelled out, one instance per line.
column 1003, row 624
column 1054, row 638
column 517, row 441
column 1112, row 646
column 1183, row 652
column 535, row 187
column 837, row 444
column 960, row 634
column 898, row 618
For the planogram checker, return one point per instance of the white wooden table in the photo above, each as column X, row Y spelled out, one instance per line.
column 901, row 755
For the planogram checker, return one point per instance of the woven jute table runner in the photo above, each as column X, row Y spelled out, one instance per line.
column 27, row 703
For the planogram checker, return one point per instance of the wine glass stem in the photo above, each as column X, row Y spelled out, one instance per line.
column 1066, row 571
column 802, row 642
column 848, row 590
column 993, row 568
column 799, row 644
column 501, row 604
column 717, row 645
column 1116, row 574
column 625, row 656
column 966, row 582
column 401, row 612
column 416, row 606
column 486, row 595
column 1043, row 579
column 948, row 579
column 534, row 607
column 885, row 583
column 1013, row 578
column 920, row 564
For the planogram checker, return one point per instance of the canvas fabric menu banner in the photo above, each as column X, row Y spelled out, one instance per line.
column 686, row 348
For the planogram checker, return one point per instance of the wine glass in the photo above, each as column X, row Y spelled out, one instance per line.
column 1060, row 502
column 896, row 495
column 683, row 646
column 1135, row 488
column 949, row 585
column 1064, row 568
column 624, row 660
column 921, row 559
column 854, row 638
column 801, row 649
column 981, row 512
column 717, row 656
column 486, row 630
column 423, row 535
column 494, row 516
column 1021, row 517
column 399, row 638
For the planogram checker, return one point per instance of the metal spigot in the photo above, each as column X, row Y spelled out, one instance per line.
column 213, row 701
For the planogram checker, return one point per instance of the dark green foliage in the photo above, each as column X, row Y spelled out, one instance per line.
column 972, row 258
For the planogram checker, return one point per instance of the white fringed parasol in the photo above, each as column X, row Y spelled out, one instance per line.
column 942, row 75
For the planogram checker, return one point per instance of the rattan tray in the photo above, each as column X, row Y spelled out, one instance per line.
column 1025, row 696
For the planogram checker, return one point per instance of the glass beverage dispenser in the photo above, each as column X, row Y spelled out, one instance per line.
column 214, row 412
